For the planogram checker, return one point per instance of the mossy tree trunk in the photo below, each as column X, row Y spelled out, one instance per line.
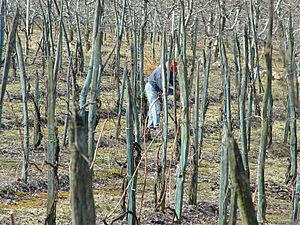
column 261, row 206
column 240, row 181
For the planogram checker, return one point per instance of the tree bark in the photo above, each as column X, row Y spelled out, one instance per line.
column 10, row 47
column 23, row 79
column 240, row 181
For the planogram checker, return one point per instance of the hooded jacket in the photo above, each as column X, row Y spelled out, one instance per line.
column 155, row 79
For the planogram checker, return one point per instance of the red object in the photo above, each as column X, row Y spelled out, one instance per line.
column 173, row 67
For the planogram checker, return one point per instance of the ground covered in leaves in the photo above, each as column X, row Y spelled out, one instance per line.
column 26, row 203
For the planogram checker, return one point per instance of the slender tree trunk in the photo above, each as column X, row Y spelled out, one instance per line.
column 52, row 149
column 286, row 123
column 88, row 80
column 94, row 95
column 119, row 36
column 130, row 158
column 194, row 180
column 27, row 27
column 223, row 197
column 243, row 127
column 251, row 93
column 185, row 128
column 291, row 102
column 10, row 46
column 261, row 211
column 121, row 102
column 37, row 101
column 141, row 67
column 295, row 211
column 68, row 95
column 154, row 33
column 79, row 41
column 163, row 162
column 199, row 130
column 237, row 63
column 53, row 142
column 254, row 25
column 134, row 55
column 194, row 49
column 49, row 26
column 2, row 26
column 25, row 109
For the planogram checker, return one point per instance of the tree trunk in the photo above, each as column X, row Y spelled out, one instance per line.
column 240, row 181
column 53, row 142
column 185, row 128
column 194, row 180
column 82, row 200
column 223, row 197
column 37, row 101
column 261, row 211
column 291, row 102
column 199, row 122
column 163, row 162
column 2, row 26
column 88, row 80
column 295, row 212
column 130, row 159
column 11, row 42
column 23, row 78
column 242, row 103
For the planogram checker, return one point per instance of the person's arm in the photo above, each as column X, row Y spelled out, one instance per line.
column 158, row 79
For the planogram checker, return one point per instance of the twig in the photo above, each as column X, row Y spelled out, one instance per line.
column 129, row 182
column 145, row 173
column 35, row 165
column 169, row 171
column 120, row 217
column 98, row 143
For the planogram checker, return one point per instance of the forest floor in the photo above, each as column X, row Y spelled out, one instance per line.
column 27, row 202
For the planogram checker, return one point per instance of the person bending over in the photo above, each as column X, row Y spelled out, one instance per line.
column 153, row 89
